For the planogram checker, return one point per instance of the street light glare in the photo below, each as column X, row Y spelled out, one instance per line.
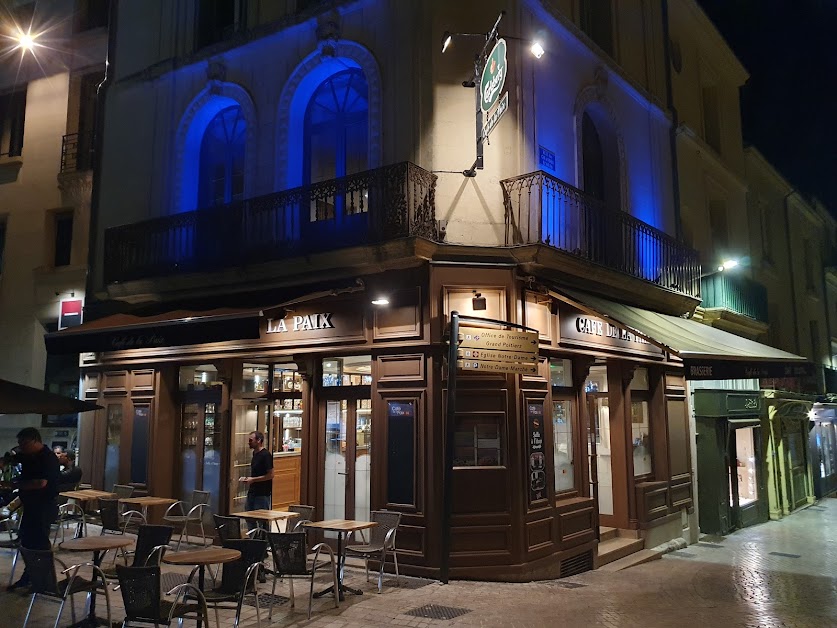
column 447, row 38
column 25, row 41
column 730, row 263
column 537, row 49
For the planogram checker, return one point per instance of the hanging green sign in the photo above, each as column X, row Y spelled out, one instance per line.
column 493, row 76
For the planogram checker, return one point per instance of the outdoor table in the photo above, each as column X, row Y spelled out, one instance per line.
column 99, row 545
column 202, row 558
column 271, row 516
column 86, row 495
column 145, row 502
column 343, row 527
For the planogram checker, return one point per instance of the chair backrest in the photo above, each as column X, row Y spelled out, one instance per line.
column 123, row 490
column 228, row 528
column 387, row 520
column 290, row 552
column 200, row 497
column 109, row 512
column 305, row 512
column 40, row 565
column 149, row 537
column 140, row 587
column 232, row 574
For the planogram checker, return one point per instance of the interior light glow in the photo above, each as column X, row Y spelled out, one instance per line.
column 381, row 300
column 447, row 38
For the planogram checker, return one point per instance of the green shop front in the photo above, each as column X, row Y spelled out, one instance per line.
column 731, row 445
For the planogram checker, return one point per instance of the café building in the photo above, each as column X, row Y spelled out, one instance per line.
column 349, row 383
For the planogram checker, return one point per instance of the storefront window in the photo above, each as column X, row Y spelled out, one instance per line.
column 828, row 446
column 286, row 378
column 640, row 379
column 478, row 442
column 641, row 438
column 287, row 425
column 353, row 370
column 560, row 372
column 254, row 378
column 114, row 433
column 596, row 380
column 562, row 450
column 198, row 377
column 746, row 465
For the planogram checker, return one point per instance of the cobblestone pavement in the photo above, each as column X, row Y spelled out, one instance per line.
column 776, row 574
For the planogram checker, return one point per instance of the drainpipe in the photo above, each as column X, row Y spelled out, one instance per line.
column 675, row 123
column 790, row 268
column 98, row 137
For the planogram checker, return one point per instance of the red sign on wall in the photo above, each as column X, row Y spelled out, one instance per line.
column 70, row 313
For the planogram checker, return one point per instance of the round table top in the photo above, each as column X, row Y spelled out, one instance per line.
column 93, row 543
column 206, row 556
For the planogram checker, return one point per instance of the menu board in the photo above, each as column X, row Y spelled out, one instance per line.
column 537, row 462
column 401, row 416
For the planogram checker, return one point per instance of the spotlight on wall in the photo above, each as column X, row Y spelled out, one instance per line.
column 380, row 300
column 478, row 302
column 537, row 49
column 728, row 265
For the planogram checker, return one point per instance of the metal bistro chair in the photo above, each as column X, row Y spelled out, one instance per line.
column 306, row 515
column 69, row 513
column 40, row 565
column 146, row 550
column 188, row 513
column 114, row 521
column 12, row 525
column 229, row 529
column 238, row 578
column 144, row 603
column 381, row 541
column 290, row 560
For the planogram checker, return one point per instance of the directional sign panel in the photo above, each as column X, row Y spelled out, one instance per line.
column 497, row 367
column 501, row 356
column 499, row 340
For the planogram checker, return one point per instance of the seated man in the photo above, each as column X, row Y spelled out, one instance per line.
column 70, row 475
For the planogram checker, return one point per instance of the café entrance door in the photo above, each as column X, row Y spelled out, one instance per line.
column 348, row 450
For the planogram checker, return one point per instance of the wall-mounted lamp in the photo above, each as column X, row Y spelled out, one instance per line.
column 728, row 265
column 380, row 300
column 478, row 302
column 537, row 49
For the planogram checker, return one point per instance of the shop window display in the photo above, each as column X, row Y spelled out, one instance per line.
column 746, row 466
column 641, row 438
column 562, row 450
column 348, row 371
column 478, row 442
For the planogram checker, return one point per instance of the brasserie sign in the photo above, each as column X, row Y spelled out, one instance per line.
column 306, row 322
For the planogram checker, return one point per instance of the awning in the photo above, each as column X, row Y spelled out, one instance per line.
column 20, row 399
column 119, row 332
column 707, row 352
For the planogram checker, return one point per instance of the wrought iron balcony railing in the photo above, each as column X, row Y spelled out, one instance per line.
column 736, row 294
column 365, row 208
column 77, row 152
column 543, row 209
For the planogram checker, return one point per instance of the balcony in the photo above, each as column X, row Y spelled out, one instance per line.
column 395, row 201
column 736, row 294
column 77, row 152
column 541, row 209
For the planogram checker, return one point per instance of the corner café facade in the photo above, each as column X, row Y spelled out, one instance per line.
column 352, row 399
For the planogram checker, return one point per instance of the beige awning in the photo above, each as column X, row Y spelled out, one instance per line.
column 707, row 352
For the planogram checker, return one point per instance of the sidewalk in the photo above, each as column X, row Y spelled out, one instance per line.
column 781, row 573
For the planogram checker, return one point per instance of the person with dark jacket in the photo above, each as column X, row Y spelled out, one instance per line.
column 38, row 487
column 70, row 474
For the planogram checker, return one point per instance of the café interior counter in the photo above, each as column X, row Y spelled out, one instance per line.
column 286, row 477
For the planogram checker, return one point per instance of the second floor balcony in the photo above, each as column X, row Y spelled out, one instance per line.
column 395, row 201
column 543, row 209
column 740, row 295
column 77, row 152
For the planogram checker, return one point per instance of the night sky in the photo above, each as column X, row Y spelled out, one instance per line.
column 789, row 48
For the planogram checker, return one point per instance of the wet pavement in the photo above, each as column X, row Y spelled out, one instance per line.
column 781, row 573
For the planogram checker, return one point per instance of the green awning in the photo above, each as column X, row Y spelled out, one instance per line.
column 707, row 352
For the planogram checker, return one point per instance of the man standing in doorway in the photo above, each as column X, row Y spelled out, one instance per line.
column 260, row 482
column 38, row 484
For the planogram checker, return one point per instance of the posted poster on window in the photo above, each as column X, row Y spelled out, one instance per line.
column 537, row 462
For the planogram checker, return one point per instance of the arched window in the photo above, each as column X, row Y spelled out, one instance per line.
column 593, row 158
column 221, row 178
column 337, row 128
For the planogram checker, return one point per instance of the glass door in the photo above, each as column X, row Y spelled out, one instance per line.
column 599, row 453
column 200, row 450
column 348, row 450
column 248, row 416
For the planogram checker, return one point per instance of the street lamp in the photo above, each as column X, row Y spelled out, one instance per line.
column 728, row 265
column 26, row 41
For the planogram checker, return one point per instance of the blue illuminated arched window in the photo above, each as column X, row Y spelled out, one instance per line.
column 337, row 128
column 222, row 159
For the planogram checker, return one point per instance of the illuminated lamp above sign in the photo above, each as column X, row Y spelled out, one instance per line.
column 70, row 313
